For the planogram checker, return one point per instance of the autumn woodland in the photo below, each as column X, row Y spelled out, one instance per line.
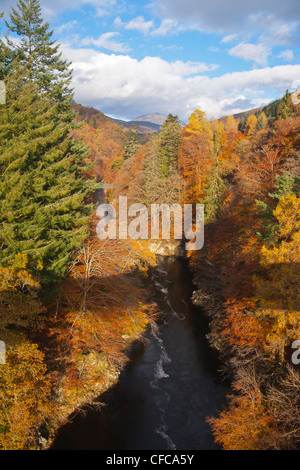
column 71, row 305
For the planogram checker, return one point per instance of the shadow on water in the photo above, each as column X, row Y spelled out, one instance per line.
column 169, row 387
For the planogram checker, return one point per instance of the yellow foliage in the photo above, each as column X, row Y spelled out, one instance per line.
column 24, row 396
column 244, row 425
column 251, row 125
column 288, row 215
column 198, row 123
column 231, row 125
column 279, row 291
column 19, row 303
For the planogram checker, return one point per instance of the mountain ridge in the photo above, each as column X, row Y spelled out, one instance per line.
column 152, row 123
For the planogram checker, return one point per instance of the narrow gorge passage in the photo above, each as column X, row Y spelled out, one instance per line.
column 168, row 389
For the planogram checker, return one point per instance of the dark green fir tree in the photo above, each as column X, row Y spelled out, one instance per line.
column 170, row 140
column 43, row 189
column 131, row 144
column 286, row 184
column 38, row 52
column 285, row 109
column 6, row 55
column 214, row 191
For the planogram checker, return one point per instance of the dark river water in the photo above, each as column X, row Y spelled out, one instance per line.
column 169, row 388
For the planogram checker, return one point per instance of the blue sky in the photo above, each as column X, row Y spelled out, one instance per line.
column 132, row 58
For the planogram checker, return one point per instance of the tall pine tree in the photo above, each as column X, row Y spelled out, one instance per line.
column 131, row 144
column 170, row 140
column 39, row 53
column 4, row 55
column 42, row 188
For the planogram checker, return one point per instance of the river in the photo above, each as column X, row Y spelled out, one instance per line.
column 169, row 387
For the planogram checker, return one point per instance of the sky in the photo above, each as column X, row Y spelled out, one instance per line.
column 132, row 58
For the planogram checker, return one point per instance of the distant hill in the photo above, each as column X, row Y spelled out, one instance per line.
column 92, row 115
column 155, row 118
column 144, row 127
column 245, row 114
column 270, row 111
column 242, row 115
column 151, row 123
column 145, row 124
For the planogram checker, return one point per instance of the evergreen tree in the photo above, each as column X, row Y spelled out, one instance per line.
column 286, row 185
column 285, row 109
column 271, row 110
column 170, row 140
column 262, row 121
column 241, row 125
column 214, row 190
column 42, row 189
column 39, row 53
column 1, row 42
column 5, row 54
column 250, row 125
column 159, row 189
column 151, row 171
column 1, row 46
column 218, row 140
column 131, row 144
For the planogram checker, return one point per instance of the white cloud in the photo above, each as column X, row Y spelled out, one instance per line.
column 66, row 27
column 167, row 26
column 52, row 8
column 213, row 49
column 275, row 31
column 286, row 55
column 258, row 53
column 105, row 41
column 122, row 86
column 139, row 24
column 228, row 16
column 118, row 22
column 228, row 38
column 101, row 12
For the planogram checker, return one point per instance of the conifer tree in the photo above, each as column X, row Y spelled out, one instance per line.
column 170, row 140
column 285, row 109
column 42, row 189
column 1, row 42
column 213, row 194
column 131, row 144
column 262, row 121
column 251, row 125
column 151, row 171
column 39, row 53
column 286, row 185
column 4, row 53
column 219, row 139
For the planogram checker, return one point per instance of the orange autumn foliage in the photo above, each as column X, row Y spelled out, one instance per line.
column 195, row 160
column 241, row 326
column 103, row 304
column 19, row 288
column 24, row 396
column 245, row 424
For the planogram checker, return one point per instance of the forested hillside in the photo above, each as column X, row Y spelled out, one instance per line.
column 70, row 304
column 247, row 275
